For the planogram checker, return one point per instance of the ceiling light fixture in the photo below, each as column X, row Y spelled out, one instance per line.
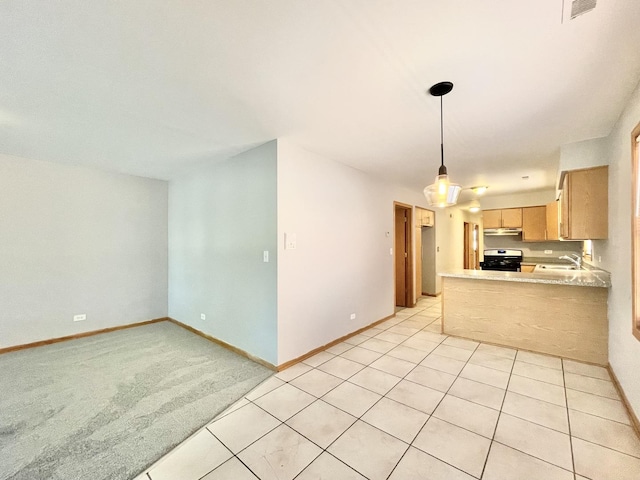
column 479, row 190
column 442, row 193
column 474, row 206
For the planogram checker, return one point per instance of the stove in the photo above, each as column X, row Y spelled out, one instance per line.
column 502, row 260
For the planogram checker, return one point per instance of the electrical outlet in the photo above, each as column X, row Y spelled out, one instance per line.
column 353, row 316
column 203, row 316
column 548, row 252
column 265, row 256
column 79, row 318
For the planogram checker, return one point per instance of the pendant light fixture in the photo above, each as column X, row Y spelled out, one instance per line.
column 442, row 193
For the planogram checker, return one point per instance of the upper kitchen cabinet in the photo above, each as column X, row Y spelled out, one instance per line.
column 505, row 218
column 552, row 221
column 424, row 218
column 534, row 224
column 584, row 204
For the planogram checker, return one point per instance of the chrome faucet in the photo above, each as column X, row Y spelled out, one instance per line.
column 574, row 258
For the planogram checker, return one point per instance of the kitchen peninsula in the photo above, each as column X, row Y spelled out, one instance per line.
column 560, row 313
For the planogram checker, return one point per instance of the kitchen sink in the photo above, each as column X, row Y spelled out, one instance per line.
column 552, row 266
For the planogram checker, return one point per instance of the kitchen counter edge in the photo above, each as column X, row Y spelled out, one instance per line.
column 581, row 278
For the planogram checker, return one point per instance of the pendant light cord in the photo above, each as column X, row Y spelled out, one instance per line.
column 441, row 135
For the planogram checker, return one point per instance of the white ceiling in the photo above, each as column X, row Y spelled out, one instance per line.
column 153, row 86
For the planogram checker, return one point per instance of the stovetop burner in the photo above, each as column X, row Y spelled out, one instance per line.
column 505, row 260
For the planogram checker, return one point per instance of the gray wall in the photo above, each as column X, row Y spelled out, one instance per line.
column 222, row 217
column 429, row 274
column 75, row 240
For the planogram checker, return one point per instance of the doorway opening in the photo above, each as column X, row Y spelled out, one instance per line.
column 403, row 255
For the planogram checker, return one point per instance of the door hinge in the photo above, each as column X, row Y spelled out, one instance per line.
column 406, row 254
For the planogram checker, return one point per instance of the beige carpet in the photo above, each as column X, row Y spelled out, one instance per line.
column 108, row 406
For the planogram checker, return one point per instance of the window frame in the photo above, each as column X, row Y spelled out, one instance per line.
column 635, row 232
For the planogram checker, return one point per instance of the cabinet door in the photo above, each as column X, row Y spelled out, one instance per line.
column 564, row 208
column 588, row 203
column 534, row 224
column 427, row 218
column 552, row 221
column 527, row 268
column 491, row 218
column 512, row 218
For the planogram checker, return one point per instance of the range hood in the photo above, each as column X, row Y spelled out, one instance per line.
column 502, row 231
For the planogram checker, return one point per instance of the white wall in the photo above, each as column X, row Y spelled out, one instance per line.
column 515, row 200
column 450, row 239
column 624, row 349
column 75, row 240
column 341, row 264
column 585, row 154
column 222, row 217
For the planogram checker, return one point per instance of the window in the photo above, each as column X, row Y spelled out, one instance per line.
column 587, row 250
column 635, row 231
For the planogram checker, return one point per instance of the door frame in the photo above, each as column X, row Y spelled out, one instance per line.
column 409, row 280
column 466, row 237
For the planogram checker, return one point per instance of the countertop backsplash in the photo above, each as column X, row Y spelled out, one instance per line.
column 532, row 249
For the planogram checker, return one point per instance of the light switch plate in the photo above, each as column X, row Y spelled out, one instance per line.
column 290, row 241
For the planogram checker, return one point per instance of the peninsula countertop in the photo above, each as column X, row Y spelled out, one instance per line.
column 580, row 278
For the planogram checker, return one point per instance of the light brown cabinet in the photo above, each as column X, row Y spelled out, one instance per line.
column 584, row 204
column 534, row 224
column 424, row 218
column 552, row 220
column 504, row 218
column 527, row 268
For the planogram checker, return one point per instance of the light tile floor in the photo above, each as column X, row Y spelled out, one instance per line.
column 402, row 401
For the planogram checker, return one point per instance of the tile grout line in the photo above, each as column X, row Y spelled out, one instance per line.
column 367, row 410
column 566, row 400
column 415, row 365
column 495, row 429
column 431, row 416
column 385, row 396
column 316, row 399
column 319, row 398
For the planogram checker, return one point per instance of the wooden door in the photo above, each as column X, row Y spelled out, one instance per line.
column 534, row 224
column 512, row 218
column 492, row 218
column 402, row 249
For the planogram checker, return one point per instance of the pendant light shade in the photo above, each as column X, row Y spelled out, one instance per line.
column 442, row 193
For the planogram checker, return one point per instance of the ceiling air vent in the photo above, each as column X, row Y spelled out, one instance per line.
column 578, row 7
